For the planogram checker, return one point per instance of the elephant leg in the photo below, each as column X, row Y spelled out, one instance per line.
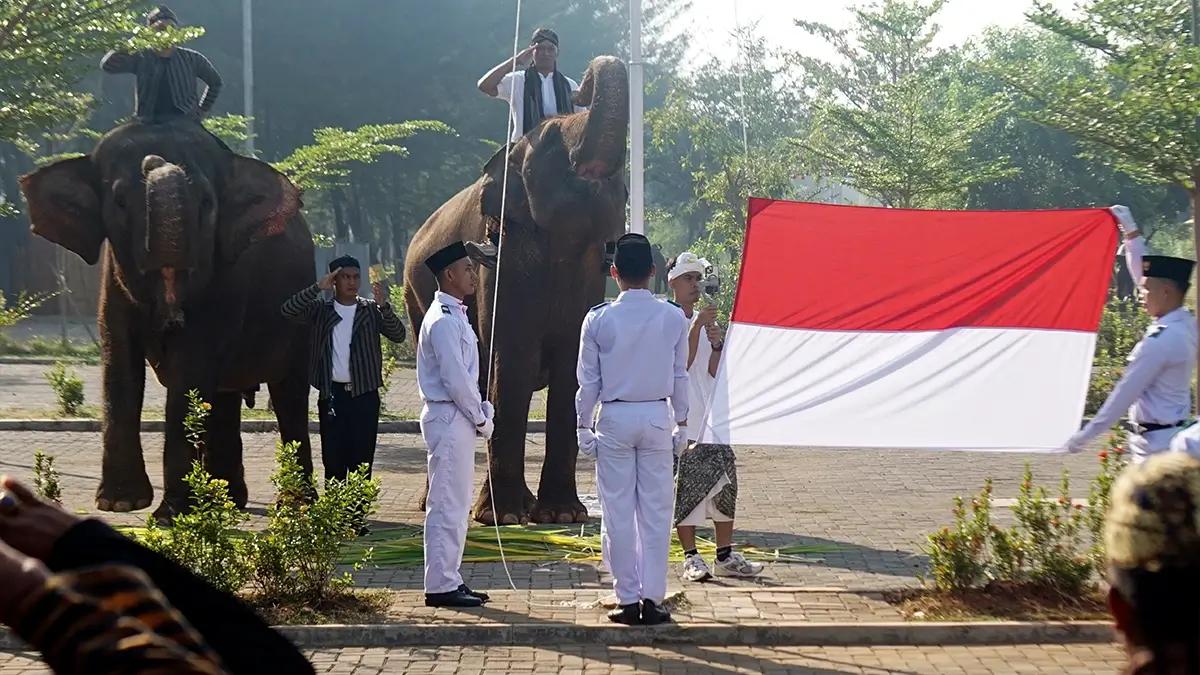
column 558, row 497
column 178, row 456
column 223, row 445
column 124, row 485
column 508, row 495
column 290, row 399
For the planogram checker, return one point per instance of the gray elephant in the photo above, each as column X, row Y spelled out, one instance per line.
column 199, row 248
column 566, row 199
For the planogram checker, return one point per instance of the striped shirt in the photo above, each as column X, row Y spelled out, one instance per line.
column 111, row 619
column 366, row 352
column 178, row 72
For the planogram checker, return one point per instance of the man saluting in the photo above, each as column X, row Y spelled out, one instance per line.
column 1156, row 386
column 632, row 359
column 454, row 413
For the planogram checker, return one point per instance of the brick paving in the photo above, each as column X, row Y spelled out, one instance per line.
column 580, row 659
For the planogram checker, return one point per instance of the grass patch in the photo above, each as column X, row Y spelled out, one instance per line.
column 999, row 601
column 37, row 346
column 358, row 605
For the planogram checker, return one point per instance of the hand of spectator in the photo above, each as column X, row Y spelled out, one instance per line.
column 22, row 576
column 29, row 524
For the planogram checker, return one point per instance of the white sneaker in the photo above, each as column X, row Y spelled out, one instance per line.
column 695, row 569
column 736, row 565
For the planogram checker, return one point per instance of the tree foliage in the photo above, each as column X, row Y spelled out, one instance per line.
column 326, row 163
column 892, row 117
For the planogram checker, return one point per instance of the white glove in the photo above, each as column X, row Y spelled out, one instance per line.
column 587, row 442
column 1124, row 217
column 1073, row 446
column 486, row 429
column 489, row 411
column 679, row 440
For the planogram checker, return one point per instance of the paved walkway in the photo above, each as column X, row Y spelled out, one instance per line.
column 571, row 660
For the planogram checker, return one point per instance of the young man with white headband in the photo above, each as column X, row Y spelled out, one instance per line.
column 706, row 478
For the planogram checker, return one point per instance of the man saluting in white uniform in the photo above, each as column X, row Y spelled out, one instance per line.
column 632, row 359
column 1156, row 386
column 454, row 413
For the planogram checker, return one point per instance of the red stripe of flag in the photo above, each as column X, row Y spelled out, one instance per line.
column 855, row 268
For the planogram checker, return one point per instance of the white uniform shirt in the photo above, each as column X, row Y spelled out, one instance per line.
column 515, row 82
column 632, row 349
column 1156, row 386
column 700, row 383
column 343, row 331
column 448, row 358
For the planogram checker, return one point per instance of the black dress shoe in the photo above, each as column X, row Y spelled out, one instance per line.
column 455, row 598
column 626, row 614
column 653, row 614
column 482, row 596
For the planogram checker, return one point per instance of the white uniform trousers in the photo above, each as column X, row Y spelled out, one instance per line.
column 450, row 437
column 637, row 493
column 1143, row 446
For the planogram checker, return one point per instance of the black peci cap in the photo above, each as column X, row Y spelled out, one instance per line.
column 633, row 258
column 446, row 257
column 1178, row 270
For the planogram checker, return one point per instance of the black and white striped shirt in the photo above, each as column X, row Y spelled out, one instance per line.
column 181, row 70
column 366, row 352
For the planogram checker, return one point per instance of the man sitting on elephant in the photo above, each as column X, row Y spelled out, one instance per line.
column 534, row 89
column 166, row 79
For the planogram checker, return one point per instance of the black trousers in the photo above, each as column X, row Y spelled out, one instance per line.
column 348, row 434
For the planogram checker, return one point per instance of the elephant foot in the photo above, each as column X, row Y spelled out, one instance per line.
column 559, row 510
column 167, row 511
column 513, row 502
column 124, row 496
column 239, row 494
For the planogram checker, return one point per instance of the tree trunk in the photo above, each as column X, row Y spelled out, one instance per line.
column 341, row 232
column 1195, row 195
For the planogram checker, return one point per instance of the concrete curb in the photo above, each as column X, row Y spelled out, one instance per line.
column 915, row 634
column 248, row 426
column 49, row 360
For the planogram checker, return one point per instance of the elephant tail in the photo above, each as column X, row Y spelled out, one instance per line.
column 416, row 313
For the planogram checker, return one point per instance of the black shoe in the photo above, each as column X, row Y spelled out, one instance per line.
column 626, row 614
column 483, row 252
column 653, row 614
column 482, row 596
column 455, row 598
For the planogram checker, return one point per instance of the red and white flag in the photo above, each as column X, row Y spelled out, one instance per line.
column 892, row 328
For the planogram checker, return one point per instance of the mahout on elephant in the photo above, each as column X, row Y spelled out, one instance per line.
column 565, row 200
column 199, row 247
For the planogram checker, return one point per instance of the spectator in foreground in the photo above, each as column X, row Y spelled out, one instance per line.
column 1152, row 542
column 83, row 564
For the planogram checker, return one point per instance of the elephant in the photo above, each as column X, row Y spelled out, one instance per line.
column 565, row 199
column 199, row 248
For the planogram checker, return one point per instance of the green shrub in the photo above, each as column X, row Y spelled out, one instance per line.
column 46, row 478
column 206, row 539
column 68, row 388
column 296, row 556
column 958, row 553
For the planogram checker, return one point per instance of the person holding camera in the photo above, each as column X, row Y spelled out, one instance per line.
column 706, row 476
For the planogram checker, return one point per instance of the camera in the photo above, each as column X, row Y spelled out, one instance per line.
column 711, row 283
column 610, row 253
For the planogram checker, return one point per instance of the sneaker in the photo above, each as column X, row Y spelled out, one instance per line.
column 695, row 569
column 736, row 565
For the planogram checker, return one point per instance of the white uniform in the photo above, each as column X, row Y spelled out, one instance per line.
column 448, row 380
column 1155, row 390
column 632, row 359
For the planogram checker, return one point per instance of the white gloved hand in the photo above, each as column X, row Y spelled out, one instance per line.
column 587, row 442
column 679, row 440
column 489, row 411
column 1124, row 217
column 486, row 429
column 1073, row 446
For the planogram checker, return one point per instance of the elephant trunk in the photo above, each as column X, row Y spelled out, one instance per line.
column 605, row 89
column 166, row 246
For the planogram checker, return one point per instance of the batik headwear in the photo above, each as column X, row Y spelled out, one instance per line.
column 1153, row 521
column 344, row 261
column 544, row 35
column 687, row 262
column 161, row 13
column 446, row 257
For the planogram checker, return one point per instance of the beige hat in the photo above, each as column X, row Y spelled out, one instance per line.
column 1153, row 520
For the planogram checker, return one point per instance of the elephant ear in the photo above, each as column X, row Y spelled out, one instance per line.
column 256, row 203
column 64, row 206
column 517, row 202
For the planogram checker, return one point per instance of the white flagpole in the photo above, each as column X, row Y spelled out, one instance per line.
column 248, row 72
column 637, row 205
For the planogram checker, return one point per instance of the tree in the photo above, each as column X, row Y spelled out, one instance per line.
column 892, row 117
column 706, row 170
column 326, row 164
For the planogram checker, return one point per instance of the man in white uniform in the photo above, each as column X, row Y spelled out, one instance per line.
column 454, row 413
column 1156, row 386
column 633, row 361
column 706, row 479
